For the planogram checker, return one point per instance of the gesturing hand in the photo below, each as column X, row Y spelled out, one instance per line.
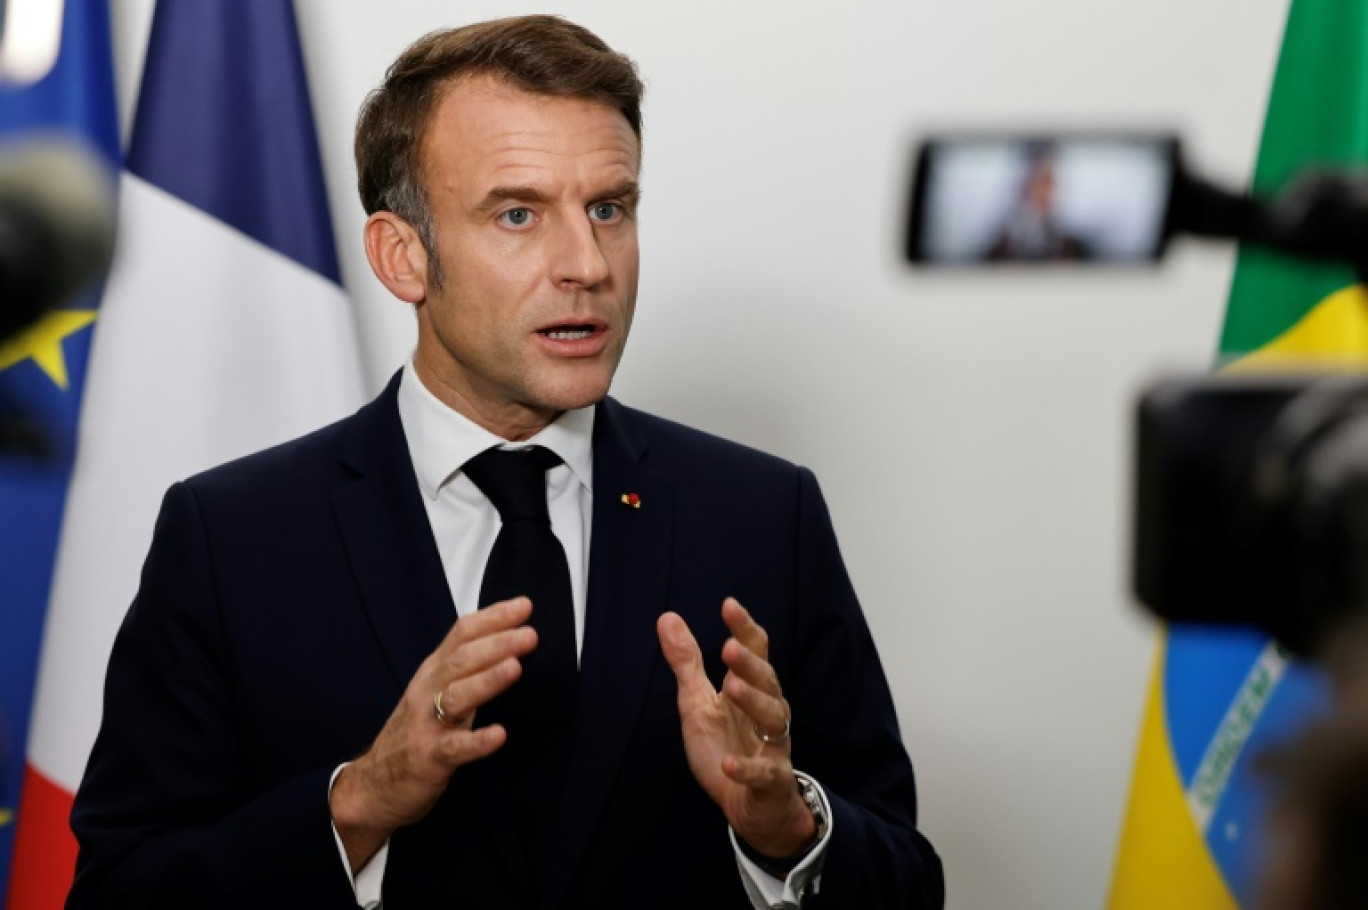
column 401, row 776
column 749, row 778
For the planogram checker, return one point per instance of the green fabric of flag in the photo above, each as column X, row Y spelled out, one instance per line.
column 1317, row 115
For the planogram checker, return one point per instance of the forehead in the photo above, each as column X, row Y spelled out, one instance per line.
column 485, row 132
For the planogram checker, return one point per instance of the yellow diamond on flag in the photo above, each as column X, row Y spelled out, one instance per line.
column 1333, row 335
column 42, row 343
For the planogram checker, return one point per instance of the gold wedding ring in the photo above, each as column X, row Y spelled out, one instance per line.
column 442, row 716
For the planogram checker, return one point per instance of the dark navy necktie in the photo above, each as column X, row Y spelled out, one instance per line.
column 527, row 559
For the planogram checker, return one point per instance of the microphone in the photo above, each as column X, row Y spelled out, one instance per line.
column 57, row 226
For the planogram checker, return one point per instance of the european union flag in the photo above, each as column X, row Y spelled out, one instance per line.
column 41, row 376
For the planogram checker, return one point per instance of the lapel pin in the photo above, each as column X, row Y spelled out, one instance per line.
column 631, row 499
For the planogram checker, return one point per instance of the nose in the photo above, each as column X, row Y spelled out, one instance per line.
column 578, row 260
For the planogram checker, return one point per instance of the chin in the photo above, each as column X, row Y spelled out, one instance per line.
column 574, row 402
column 573, row 397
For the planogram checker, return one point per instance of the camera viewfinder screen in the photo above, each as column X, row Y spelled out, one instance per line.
column 1042, row 201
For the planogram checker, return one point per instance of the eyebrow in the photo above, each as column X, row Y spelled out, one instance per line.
column 501, row 194
column 628, row 190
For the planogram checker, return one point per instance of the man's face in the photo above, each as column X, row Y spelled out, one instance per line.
column 1040, row 186
column 534, row 203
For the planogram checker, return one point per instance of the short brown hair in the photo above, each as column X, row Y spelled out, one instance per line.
column 543, row 55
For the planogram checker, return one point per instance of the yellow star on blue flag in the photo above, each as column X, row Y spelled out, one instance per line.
column 42, row 343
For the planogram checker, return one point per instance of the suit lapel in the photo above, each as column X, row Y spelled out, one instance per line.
column 629, row 565
column 389, row 539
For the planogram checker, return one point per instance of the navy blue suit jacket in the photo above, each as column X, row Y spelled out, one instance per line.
column 288, row 598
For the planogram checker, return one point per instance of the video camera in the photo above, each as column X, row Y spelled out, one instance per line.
column 1251, row 491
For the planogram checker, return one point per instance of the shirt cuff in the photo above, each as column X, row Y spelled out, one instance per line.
column 368, row 879
column 769, row 893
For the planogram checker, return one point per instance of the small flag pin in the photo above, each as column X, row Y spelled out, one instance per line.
column 631, row 499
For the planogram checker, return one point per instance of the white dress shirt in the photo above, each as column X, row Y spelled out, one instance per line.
column 465, row 524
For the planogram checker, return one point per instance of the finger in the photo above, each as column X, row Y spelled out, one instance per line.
column 766, row 712
column 482, row 653
column 746, row 629
column 507, row 614
column 461, row 747
column 768, row 775
column 750, row 666
column 682, row 654
column 461, row 697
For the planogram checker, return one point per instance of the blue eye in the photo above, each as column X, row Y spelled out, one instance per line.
column 605, row 211
column 516, row 217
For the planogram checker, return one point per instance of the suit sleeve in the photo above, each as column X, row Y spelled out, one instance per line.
column 845, row 734
column 160, row 816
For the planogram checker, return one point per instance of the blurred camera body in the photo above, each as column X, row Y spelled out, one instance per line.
column 1251, row 502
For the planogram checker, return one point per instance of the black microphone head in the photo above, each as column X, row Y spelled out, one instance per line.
column 57, row 226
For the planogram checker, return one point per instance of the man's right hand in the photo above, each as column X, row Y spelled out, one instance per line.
column 401, row 776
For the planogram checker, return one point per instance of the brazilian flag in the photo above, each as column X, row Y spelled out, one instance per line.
column 1193, row 832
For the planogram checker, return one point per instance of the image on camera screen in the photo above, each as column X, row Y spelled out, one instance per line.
column 1034, row 201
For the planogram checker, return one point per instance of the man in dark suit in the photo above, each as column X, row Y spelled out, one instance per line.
column 293, row 719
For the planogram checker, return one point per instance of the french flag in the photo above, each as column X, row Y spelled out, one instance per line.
column 223, row 329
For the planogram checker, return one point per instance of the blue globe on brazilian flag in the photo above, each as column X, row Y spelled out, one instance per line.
column 1193, row 832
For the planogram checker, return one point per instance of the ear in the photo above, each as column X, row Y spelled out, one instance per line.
column 397, row 256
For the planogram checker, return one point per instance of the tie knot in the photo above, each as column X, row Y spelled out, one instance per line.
column 514, row 480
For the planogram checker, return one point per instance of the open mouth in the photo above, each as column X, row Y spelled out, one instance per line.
column 567, row 332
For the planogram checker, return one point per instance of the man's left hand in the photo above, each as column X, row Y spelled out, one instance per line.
column 725, row 733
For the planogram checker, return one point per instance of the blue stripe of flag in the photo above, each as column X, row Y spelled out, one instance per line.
column 78, row 95
column 1204, row 669
column 224, row 123
column 76, row 98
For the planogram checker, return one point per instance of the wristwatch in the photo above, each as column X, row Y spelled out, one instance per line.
column 808, row 791
column 780, row 868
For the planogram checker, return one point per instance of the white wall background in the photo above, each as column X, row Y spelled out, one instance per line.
column 971, row 433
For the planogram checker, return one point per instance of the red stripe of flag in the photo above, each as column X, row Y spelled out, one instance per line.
column 44, row 861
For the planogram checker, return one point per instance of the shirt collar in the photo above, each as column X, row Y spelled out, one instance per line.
column 442, row 440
